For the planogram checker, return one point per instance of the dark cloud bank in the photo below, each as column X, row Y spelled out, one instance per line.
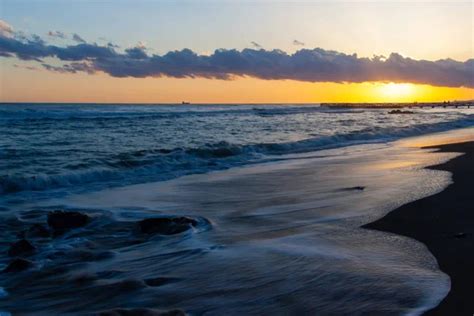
column 311, row 65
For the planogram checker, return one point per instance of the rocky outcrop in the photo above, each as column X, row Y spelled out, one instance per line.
column 21, row 247
column 18, row 264
column 62, row 221
column 166, row 225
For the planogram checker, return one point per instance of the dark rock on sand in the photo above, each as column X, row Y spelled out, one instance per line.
column 460, row 235
column 21, row 247
column 38, row 230
column 358, row 188
column 62, row 221
column 141, row 312
column 18, row 264
column 166, row 225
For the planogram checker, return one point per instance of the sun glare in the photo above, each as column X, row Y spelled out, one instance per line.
column 396, row 91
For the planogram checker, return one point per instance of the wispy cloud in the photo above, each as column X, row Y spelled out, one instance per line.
column 57, row 34
column 112, row 45
column 25, row 67
column 311, row 65
column 73, row 67
column 298, row 43
column 77, row 38
column 255, row 44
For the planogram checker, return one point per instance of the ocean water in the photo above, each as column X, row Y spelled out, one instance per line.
column 275, row 190
column 87, row 147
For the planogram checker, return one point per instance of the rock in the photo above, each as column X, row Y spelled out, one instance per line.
column 166, row 225
column 62, row 221
column 18, row 264
column 400, row 112
column 21, row 247
column 358, row 188
column 460, row 235
column 38, row 230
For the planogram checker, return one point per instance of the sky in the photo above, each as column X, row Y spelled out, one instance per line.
column 236, row 51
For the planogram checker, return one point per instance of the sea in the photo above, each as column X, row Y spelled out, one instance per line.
column 278, row 193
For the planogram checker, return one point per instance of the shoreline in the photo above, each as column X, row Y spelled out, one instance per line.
column 444, row 222
column 308, row 232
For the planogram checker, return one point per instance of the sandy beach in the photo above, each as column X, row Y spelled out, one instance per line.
column 444, row 222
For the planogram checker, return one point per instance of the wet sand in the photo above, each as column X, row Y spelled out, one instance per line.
column 444, row 222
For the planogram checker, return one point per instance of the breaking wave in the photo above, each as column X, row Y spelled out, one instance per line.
column 147, row 165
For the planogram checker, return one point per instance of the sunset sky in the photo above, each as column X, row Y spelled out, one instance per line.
column 236, row 51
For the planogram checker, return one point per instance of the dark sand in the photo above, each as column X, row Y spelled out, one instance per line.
column 444, row 222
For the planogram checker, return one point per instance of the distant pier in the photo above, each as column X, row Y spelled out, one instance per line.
column 445, row 105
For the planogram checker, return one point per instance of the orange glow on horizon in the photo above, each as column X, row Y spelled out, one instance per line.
column 22, row 85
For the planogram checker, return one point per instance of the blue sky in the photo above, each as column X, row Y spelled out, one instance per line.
column 420, row 32
column 429, row 30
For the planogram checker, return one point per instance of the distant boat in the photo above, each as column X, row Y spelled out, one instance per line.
column 184, row 102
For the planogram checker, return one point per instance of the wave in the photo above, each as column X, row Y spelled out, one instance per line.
column 163, row 164
column 61, row 113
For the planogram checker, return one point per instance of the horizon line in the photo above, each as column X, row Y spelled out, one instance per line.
column 230, row 103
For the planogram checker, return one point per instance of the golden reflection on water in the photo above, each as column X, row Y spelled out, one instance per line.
column 386, row 165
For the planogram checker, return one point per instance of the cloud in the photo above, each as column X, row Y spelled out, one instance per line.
column 112, row 45
column 137, row 52
column 57, row 34
column 298, row 43
column 255, row 44
column 5, row 29
column 81, row 52
column 77, row 38
column 310, row 65
column 24, row 48
column 25, row 67
column 73, row 67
